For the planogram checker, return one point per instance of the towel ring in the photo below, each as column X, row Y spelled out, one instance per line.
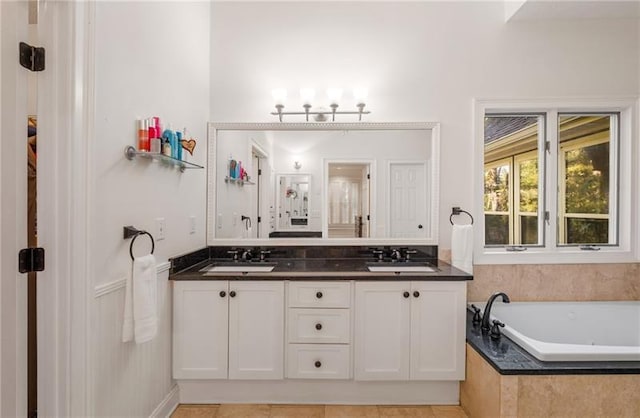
column 153, row 244
column 457, row 211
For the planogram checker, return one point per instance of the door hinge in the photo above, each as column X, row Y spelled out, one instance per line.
column 546, row 216
column 259, row 219
column 31, row 259
column 547, row 146
column 31, row 57
column 368, row 176
column 368, row 218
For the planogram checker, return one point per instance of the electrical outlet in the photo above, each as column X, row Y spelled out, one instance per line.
column 161, row 226
column 192, row 224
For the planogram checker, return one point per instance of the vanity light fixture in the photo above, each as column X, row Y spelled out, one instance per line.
column 297, row 165
column 320, row 114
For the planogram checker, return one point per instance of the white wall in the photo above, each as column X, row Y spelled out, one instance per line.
column 421, row 62
column 152, row 59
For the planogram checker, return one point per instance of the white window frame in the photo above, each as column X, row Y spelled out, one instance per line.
column 627, row 207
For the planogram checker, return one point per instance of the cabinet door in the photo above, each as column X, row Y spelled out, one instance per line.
column 382, row 331
column 437, row 330
column 256, row 330
column 200, row 329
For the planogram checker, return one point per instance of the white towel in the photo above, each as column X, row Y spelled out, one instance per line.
column 141, row 301
column 462, row 247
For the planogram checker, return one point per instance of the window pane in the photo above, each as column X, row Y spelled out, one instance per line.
column 528, row 176
column 496, row 229
column 496, row 189
column 529, row 230
column 512, row 187
column 587, row 231
column 586, row 179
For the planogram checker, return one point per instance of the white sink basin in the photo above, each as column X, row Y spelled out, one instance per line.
column 402, row 269
column 240, row 269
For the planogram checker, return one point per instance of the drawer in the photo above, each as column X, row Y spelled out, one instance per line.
column 319, row 294
column 318, row 361
column 319, row 326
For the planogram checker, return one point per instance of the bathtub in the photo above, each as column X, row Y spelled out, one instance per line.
column 572, row 331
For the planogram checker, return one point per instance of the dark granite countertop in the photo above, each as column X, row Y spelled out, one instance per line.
column 319, row 268
column 508, row 358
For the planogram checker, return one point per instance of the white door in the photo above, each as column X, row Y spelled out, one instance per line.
column 438, row 330
column 382, row 330
column 13, row 202
column 256, row 330
column 408, row 217
column 200, row 329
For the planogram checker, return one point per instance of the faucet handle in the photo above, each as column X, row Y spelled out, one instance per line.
column 407, row 254
column 495, row 330
column 477, row 318
column 234, row 253
column 379, row 254
column 263, row 254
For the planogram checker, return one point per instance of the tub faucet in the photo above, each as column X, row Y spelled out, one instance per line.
column 487, row 309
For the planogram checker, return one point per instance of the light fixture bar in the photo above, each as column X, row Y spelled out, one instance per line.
column 280, row 113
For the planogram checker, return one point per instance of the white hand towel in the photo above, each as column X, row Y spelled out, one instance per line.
column 141, row 301
column 462, row 247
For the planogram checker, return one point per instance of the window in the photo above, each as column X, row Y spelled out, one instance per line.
column 556, row 181
column 511, row 179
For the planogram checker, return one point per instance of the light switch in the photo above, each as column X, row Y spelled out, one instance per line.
column 192, row 224
column 160, row 228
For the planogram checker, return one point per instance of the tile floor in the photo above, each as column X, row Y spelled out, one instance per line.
column 315, row 411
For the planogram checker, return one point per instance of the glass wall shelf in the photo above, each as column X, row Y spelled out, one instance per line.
column 130, row 153
column 239, row 182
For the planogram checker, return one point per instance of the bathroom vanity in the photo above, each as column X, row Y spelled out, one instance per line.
column 318, row 327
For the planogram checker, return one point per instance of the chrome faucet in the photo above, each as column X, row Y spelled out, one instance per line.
column 247, row 255
column 487, row 309
column 396, row 255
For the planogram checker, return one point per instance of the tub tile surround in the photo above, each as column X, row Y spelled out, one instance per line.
column 486, row 393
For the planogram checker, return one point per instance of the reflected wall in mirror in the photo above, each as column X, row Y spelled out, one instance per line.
column 367, row 182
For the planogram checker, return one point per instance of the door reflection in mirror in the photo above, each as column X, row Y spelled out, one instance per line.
column 349, row 199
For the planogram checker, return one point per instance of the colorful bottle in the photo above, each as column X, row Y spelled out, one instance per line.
column 179, row 145
column 143, row 135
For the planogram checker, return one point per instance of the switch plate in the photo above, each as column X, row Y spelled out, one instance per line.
column 161, row 226
column 192, row 224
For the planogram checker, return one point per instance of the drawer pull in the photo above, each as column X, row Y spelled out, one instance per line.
column 416, row 294
column 232, row 293
column 318, row 327
column 406, row 294
column 223, row 293
column 319, row 295
column 318, row 364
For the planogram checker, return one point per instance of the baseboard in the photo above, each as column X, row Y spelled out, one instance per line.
column 168, row 404
column 346, row 392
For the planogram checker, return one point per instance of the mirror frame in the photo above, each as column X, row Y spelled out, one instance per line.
column 215, row 127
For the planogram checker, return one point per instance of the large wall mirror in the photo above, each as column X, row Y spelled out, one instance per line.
column 347, row 183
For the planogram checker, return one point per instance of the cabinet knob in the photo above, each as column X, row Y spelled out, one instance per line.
column 232, row 293
column 416, row 294
column 223, row 293
column 318, row 327
column 318, row 364
column 406, row 294
column 319, row 295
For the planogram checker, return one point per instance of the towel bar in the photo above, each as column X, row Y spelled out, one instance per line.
column 457, row 211
column 130, row 231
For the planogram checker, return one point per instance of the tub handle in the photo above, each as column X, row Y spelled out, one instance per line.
column 477, row 318
column 495, row 330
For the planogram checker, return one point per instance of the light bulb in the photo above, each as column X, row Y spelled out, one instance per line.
column 334, row 94
column 360, row 94
column 279, row 95
column 307, row 95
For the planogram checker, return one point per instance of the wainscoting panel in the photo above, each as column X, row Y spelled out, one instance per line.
column 130, row 379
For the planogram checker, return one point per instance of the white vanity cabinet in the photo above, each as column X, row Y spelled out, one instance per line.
column 228, row 329
column 409, row 330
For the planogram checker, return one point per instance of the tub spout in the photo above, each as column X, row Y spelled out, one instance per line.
column 487, row 309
